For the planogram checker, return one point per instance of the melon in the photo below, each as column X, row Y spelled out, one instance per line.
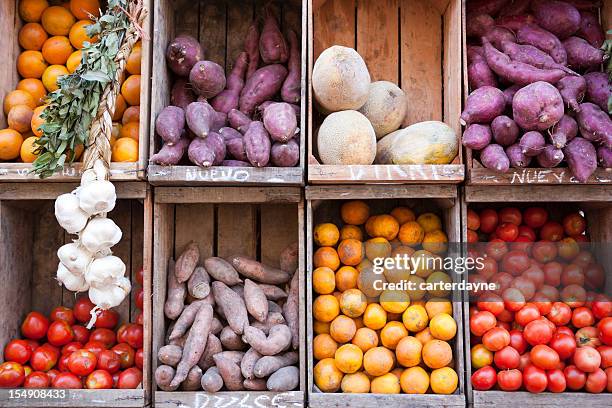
column 385, row 107
column 346, row 137
column 340, row 80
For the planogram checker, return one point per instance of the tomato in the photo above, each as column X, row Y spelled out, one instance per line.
column 596, row 381
column 575, row 377
column 511, row 215
column 52, row 374
column 140, row 275
column 584, row 257
column 550, row 292
column 588, row 336
column 572, row 275
column 82, row 308
column 528, row 313
column 71, row 347
column 514, row 299
column 130, row 378
column 537, row 332
column 551, row 231
column 502, row 281
column 116, row 379
column 564, row 344
column 67, row 381
column 473, row 220
column 59, row 333
column 122, row 333
column 587, row 359
column 515, row 262
column 62, row 363
column 608, row 372
column 556, row 381
column 126, row 354
column 552, row 273
column 605, row 330
column 496, row 249
column 37, row 379
column 582, row 317
column 491, row 302
column 507, row 232
column 573, row 295
column 98, row 380
column 535, row 217
column 473, row 279
column 484, row 378
column 560, row 314
column 564, row 330
column 62, row 313
column 601, row 307
column 535, row 274
column 522, row 243
column 507, row 358
column 12, row 374
column 488, row 220
column 527, row 232
column 34, row 326
column 139, row 298
column 544, row 357
column 134, row 335
column 526, row 286
column 82, row 362
column 107, row 319
column 472, row 236
column 496, row 339
column 506, row 316
column 139, row 358
column 517, row 341
column 544, row 251
column 606, row 356
column 510, row 380
column 481, row 322
column 43, row 358
column 18, row 351
column 109, row 360
column 580, row 238
column 542, row 302
column 95, row 347
column 574, row 224
column 139, row 318
column 81, row 334
column 104, row 336
column 535, row 379
column 568, row 248
column 503, row 325
column 594, row 276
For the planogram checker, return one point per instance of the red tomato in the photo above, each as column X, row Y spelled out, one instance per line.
column 52, row 374
column 59, row 333
column 575, row 377
column 507, row 358
column 122, row 333
column 139, row 358
column 594, row 276
column 134, row 335
column 608, row 372
column 514, row 299
column 544, row 357
column 601, row 307
column 116, row 379
column 542, row 302
column 535, row 379
column 551, row 231
column 552, row 273
column 526, row 286
column 62, row 363
column 496, row 339
column 568, row 248
column 488, row 220
column 528, row 313
column 491, row 303
column 488, row 269
column 139, row 275
column 503, row 325
column 560, row 314
column 507, row 232
column 472, row 236
column 109, row 360
column 99, row 380
column 535, row 217
column 82, row 307
column 564, row 344
column 510, row 380
column 584, row 258
column 564, row 330
column 496, row 249
column 130, row 378
column 588, row 336
column 126, row 354
column 582, row 317
column 587, row 359
column 574, row 224
column 596, row 381
column 511, row 215
column 524, row 361
column 484, row 378
column 517, row 341
column 11, row 374
column 18, row 351
column 556, row 380
column 34, row 326
column 139, row 319
column 537, row 332
column 605, row 330
column 95, row 347
column 573, row 295
column 515, row 262
column 550, row 292
column 37, row 379
column 527, row 232
column 572, row 275
column 506, row 316
column 481, row 322
column 606, row 356
column 67, row 381
column 43, row 358
column 107, row 319
column 71, row 347
column 81, row 334
column 62, row 313
column 104, row 336
column 139, row 298
column 535, row 274
column 502, row 280
column 544, row 251
column 473, row 220
column 82, row 362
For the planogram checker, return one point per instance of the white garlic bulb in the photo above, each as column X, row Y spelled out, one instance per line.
column 88, row 177
column 69, row 214
column 75, row 283
column 104, row 271
column 110, row 295
column 100, row 234
column 75, row 258
column 97, row 197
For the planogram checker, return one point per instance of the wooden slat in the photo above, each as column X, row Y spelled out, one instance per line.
column 10, row 21
column 385, row 173
column 318, row 399
column 533, row 176
column 74, row 398
column 194, row 175
column 239, row 15
column 541, row 193
column 137, row 253
column 145, row 90
column 380, row 191
column 334, row 24
column 147, row 283
column 452, row 75
column 213, row 30
column 195, row 222
column 227, row 194
column 22, row 172
column 291, row 399
column 237, row 230
column 292, row 16
column 543, row 400
column 277, row 231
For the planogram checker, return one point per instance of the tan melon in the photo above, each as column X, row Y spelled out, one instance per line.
column 346, row 137
column 385, row 107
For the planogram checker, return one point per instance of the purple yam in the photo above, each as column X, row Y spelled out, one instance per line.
column 543, row 39
column 216, row 143
column 515, row 8
column 235, row 147
column 291, row 92
column 537, row 106
column 514, row 22
column 572, row 90
column 533, row 56
column 238, row 120
column 207, row 78
column 595, row 125
column 285, row 154
column 581, row 54
column 550, row 156
column 532, row 143
column 227, row 99
column 229, row 133
column 560, row 18
column 598, row 89
column 170, row 123
column 590, row 29
column 499, row 35
column 493, row 157
column 505, row 130
column 201, row 118
column 170, row 155
column 257, row 144
column 483, row 105
column 491, row 7
column 262, row 86
column 477, row 136
column 581, row 158
column 477, row 25
column 516, row 156
column 280, row 121
column 479, row 73
column 564, row 131
column 509, row 95
column 182, row 54
column 182, row 94
column 604, row 157
column 272, row 45
column 200, row 153
column 235, row 163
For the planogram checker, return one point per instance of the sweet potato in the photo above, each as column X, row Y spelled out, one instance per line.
column 581, row 54
column 182, row 54
column 213, row 346
column 509, row 95
column 285, row 379
column 261, row 86
column 259, row 272
column 585, row 4
column 200, row 118
column 291, row 91
column 274, row 318
column 479, row 73
column 255, row 384
column 222, row 270
column 505, row 130
column 564, row 131
column 483, row 105
column 274, row 307
column 590, row 29
column 560, row 18
column 285, row 154
column 532, row 143
column 216, row 143
column 514, row 8
column 251, row 46
column 228, row 98
column 499, row 35
column 477, row 136
column 477, row 25
column 247, row 365
column 531, row 34
column 230, row 372
column 255, row 300
column 491, row 7
column 230, row 340
column 170, row 123
column 170, row 155
column 291, row 310
column 262, row 107
column 170, row 355
column 572, row 90
column 272, row 44
column 550, row 156
column 267, row 365
column 163, row 376
column 288, row 259
column 272, row 292
column 238, row 120
column 176, row 293
column 232, row 305
column 181, row 94
column 198, row 284
column 235, row 147
column 185, row 320
column 581, row 158
column 533, row 56
column 257, row 144
column 207, row 79
column 239, row 289
column 598, row 89
column 200, row 153
column 280, row 121
column 494, row 158
column 604, row 157
column 537, row 106
column 234, row 356
column 211, row 380
column 516, row 156
column 186, row 262
column 229, row 133
column 515, row 21
column 595, row 125
column 216, row 326
column 278, row 340
column 515, row 71
column 193, row 380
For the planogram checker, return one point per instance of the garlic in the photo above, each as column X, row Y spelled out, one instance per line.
column 75, row 283
column 88, row 177
column 104, row 271
column 110, row 295
column 68, row 213
column 97, row 197
column 75, row 258
column 100, row 234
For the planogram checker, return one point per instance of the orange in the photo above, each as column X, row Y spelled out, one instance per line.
column 57, row 50
column 83, row 8
column 37, row 121
column 429, row 222
column 416, row 294
column 27, row 150
column 348, row 358
column 375, row 317
column 131, row 114
column 323, row 280
column 383, row 226
column 18, row 97
column 408, row 351
column 342, row 329
column 378, row 361
column 350, row 252
column 337, row 295
column 31, row 10
column 326, row 375
column 437, row 353
column 120, row 107
column 326, row 234
column 355, row 383
column 32, row 36
column 130, row 130
column 35, row 88
column 414, row 380
column 10, row 143
column 351, row 231
column 320, row 327
column 425, row 263
column 394, row 301
column 130, row 89
column 78, row 34
column 415, row 318
column 354, row 212
column 439, row 280
column 403, row 214
column 74, row 60
column 435, row 306
column 323, row 346
column 358, row 322
column 125, row 150
column 57, row 20
column 365, row 338
column 411, row 234
column 325, row 308
column 385, row 384
column 369, row 281
column 326, row 256
column 424, row 335
column 353, row 303
column 31, row 64
column 19, row 118
column 443, row 326
column 133, row 62
column 444, row 380
column 392, row 333
column 377, row 248
column 435, row 241
column 346, row 278
column 51, row 75
column 397, row 371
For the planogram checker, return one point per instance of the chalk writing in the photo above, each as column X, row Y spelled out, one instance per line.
column 264, row 399
column 217, row 174
column 388, row 172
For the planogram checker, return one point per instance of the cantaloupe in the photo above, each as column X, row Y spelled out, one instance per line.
column 346, row 137
column 430, row 142
column 385, row 107
column 340, row 80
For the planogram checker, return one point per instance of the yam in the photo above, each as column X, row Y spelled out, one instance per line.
column 499, row 35
column 272, row 45
column 181, row 94
column 532, row 34
column 385, row 107
column 537, row 106
column 564, row 131
column 213, row 346
column 216, row 326
column 211, row 380
column 505, row 130
column 483, row 105
column 267, row 365
column 581, row 158
column 604, row 157
column 171, row 155
column 163, row 376
column 235, row 148
column 278, row 340
column 182, row 54
column 230, row 372
column 198, row 284
column 170, row 355
column 291, row 310
column 595, row 125
column 222, row 270
column 234, row 356
column 491, row 7
column 560, row 18
column 230, row 340
column 251, row 47
column 509, row 94
column 201, row 118
column 261, row 87
column 494, row 157
column 479, row 73
column 185, row 320
column 285, row 154
column 533, row 56
column 477, row 25
column 193, row 382
column 232, row 305
column 238, row 120
column 289, row 259
column 285, row 379
column 515, row 21
column 258, row 271
column 581, row 54
column 255, row 300
column 572, row 90
column 590, row 29
column 274, row 318
column 274, row 307
column 227, row 99
column 176, row 293
column 345, row 138
column 186, row 262
column 550, row 156
column 257, row 144
column 273, row 292
column 247, row 365
column 207, row 79
column 280, row 121
column 291, row 92
column 516, row 156
column 598, row 89
column 255, row 384
column 169, row 124
column 532, row 143
column 216, row 144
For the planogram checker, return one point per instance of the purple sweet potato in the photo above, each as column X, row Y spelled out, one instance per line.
column 235, row 147
column 235, row 163
column 251, row 46
column 228, row 98
column 585, row 4
column 291, row 92
column 581, row 54
column 170, row 155
column 477, row 136
column 516, row 157
column 540, row 38
column 604, row 157
column 207, row 78
column 280, row 121
column 285, row 154
column 537, row 106
column 581, row 158
column 200, row 153
column 479, row 73
column 598, row 89
column 216, row 143
column 477, row 25
column 483, row 105
column 170, row 123
column 262, row 86
column 498, row 35
column 229, row 133
column 272, row 45
column 595, row 125
column 532, row 56
column 532, row 143
column 181, row 94
column 491, row 7
column 564, row 131
column 509, row 95
column 257, row 144
column 550, row 156
column 590, row 29
column 494, row 157
column 182, row 54
column 572, row 90
column 516, row 7
column 505, row 130
column 560, row 18
column 514, row 22
column 201, row 118
column 238, row 120
column 515, row 71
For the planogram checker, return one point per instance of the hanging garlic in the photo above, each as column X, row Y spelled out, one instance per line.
column 100, row 234
column 74, row 257
column 69, row 214
column 97, row 197
column 110, row 295
column 75, row 283
column 88, row 177
column 104, row 271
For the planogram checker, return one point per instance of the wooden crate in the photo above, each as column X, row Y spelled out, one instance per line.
column 29, row 239
column 480, row 175
column 221, row 27
column 323, row 205
column 596, row 202
column 20, row 172
column 413, row 43
column 254, row 221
